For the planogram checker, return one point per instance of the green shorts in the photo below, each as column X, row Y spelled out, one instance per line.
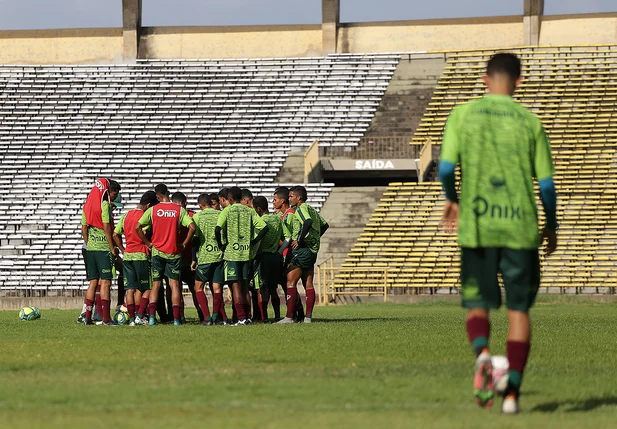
column 236, row 270
column 267, row 272
column 520, row 270
column 210, row 273
column 303, row 258
column 136, row 275
column 163, row 267
column 99, row 265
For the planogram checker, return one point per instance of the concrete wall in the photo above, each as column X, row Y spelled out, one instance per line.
column 73, row 46
column 231, row 42
column 430, row 35
column 579, row 29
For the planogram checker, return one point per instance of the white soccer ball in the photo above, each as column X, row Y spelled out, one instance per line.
column 500, row 373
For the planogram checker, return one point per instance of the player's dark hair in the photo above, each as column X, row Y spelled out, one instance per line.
column 246, row 193
column 204, row 199
column 161, row 189
column 224, row 193
column 179, row 197
column 299, row 191
column 260, row 202
column 213, row 199
column 283, row 193
column 149, row 198
column 235, row 194
column 504, row 64
column 114, row 186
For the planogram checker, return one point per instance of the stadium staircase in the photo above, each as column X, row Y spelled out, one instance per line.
column 195, row 125
column 573, row 91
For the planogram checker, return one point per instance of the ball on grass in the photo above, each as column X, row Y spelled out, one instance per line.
column 121, row 318
column 29, row 313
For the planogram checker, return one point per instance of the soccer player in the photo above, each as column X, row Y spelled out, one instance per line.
column 165, row 311
column 224, row 197
column 281, row 205
column 305, row 238
column 268, row 259
column 253, row 295
column 135, row 263
column 165, row 221
column 238, row 224
column 96, row 231
column 209, row 262
column 247, row 197
column 187, row 275
column 501, row 147
column 117, row 204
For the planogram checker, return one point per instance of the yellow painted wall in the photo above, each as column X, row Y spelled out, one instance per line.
column 74, row 46
column 231, row 42
column 573, row 30
column 430, row 35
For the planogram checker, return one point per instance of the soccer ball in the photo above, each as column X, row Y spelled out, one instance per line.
column 37, row 312
column 121, row 318
column 500, row 373
column 29, row 313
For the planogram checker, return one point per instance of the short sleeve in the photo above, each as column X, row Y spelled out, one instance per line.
column 543, row 162
column 146, row 218
column 105, row 212
column 120, row 227
column 222, row 220
column 258, row 222
column 450, row 147
column 185, row 219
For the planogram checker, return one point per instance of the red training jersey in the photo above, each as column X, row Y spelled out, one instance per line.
column 165, row 227
column 133, row 242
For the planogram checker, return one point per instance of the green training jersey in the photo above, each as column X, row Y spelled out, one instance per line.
column 96, row 236
column 205, row 223
column 501, row 147
column 271, row 241
column 312, row 240
column 239, row 224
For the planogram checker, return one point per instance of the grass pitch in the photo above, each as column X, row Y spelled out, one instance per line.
column 362, row 366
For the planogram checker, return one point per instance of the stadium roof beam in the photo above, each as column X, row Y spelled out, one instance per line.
column 131, row 28
column 532, row 21
column 330, row 13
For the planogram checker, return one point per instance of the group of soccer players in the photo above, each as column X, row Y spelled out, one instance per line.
column 232, row 241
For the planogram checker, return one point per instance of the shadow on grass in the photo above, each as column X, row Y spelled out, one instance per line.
column 361, row 319
column 575, row 406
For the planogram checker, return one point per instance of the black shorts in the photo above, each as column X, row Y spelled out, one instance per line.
column 303, row 258
column 520, row 270
column 267, row 270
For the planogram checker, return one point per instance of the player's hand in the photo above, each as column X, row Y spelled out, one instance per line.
column 194, row 266
column 181, row 246
column 449, row 219
column 550, row 235
column 294, row 244
column 114, row 252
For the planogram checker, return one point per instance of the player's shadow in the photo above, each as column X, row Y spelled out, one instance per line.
column 360, row 319
column 575, row 405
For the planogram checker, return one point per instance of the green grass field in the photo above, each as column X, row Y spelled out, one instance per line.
column 359, row 366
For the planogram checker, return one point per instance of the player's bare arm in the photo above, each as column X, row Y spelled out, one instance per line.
column 84, row 233
column 189, row 236
column 108, row 228
column 140, row 233
column 118, row 241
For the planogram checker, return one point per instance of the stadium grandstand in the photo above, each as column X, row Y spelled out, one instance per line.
column 355, row 111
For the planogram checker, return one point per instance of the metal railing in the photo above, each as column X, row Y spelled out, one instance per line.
column 394, row 147
column 337, row 281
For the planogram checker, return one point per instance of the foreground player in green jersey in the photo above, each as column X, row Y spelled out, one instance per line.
column 239, row 224
column 267, row 262
column 501, row 147
column 208, row 257
column 307, row 227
